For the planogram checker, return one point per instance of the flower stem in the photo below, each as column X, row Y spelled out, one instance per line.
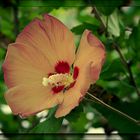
column 113, row 109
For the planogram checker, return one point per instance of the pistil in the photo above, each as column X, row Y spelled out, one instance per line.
column 58, row 80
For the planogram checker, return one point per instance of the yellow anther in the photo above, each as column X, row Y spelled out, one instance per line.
column 58, row 80
column 68, row 80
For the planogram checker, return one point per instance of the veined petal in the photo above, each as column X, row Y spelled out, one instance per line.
column 89, row 60
column 71, row 100
column 25, row 100
column 51, row 37
column 24, row 65
column 62, row 38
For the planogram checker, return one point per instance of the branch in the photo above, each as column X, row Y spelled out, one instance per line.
column 97, row 15
column 128, row 67
column 115, row 46
column 112, row 108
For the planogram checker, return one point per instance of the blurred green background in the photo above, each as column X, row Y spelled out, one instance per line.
column 117, row 24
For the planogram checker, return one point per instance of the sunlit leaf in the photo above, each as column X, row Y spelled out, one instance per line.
column 80, row 28
column 112, row 23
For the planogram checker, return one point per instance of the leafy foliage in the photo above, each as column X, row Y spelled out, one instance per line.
column 125, row 125
column 51, row 124
column 119, row 81
column 106, row 6
column 80, row 28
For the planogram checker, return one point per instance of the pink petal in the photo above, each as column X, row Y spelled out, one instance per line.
column 89, row 60
column 25, row 100
column 24, row 65
column 71, row 100
column 51, row 37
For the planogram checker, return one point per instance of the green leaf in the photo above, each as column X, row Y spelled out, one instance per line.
column 136, row 2
column 9, row 123
column 119, row 88
column 2, row 53
column 80, row 28
column 134, row 38
column 79, row 124
column 113, row 23
column 120, row 123
column 47, row 3
column 75, row 113
column 112, row 69
column 1, row 72
column 51, row 3
column 3, row 89
column 6, row 23
column 77, row 119
column 133, row 42
column 107, row 7
column 50, row 125
column 86, row 18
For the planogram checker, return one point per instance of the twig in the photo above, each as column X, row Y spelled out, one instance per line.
column 97, row 15
column 127, row 66
column 124, row 61
column 112, row 108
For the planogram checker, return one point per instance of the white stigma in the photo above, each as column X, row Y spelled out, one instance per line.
column 58, row 80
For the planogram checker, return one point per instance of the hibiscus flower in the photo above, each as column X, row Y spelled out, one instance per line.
column 42, row 70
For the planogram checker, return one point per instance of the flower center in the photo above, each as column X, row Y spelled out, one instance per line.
column 56, row 80
column 62, row 79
